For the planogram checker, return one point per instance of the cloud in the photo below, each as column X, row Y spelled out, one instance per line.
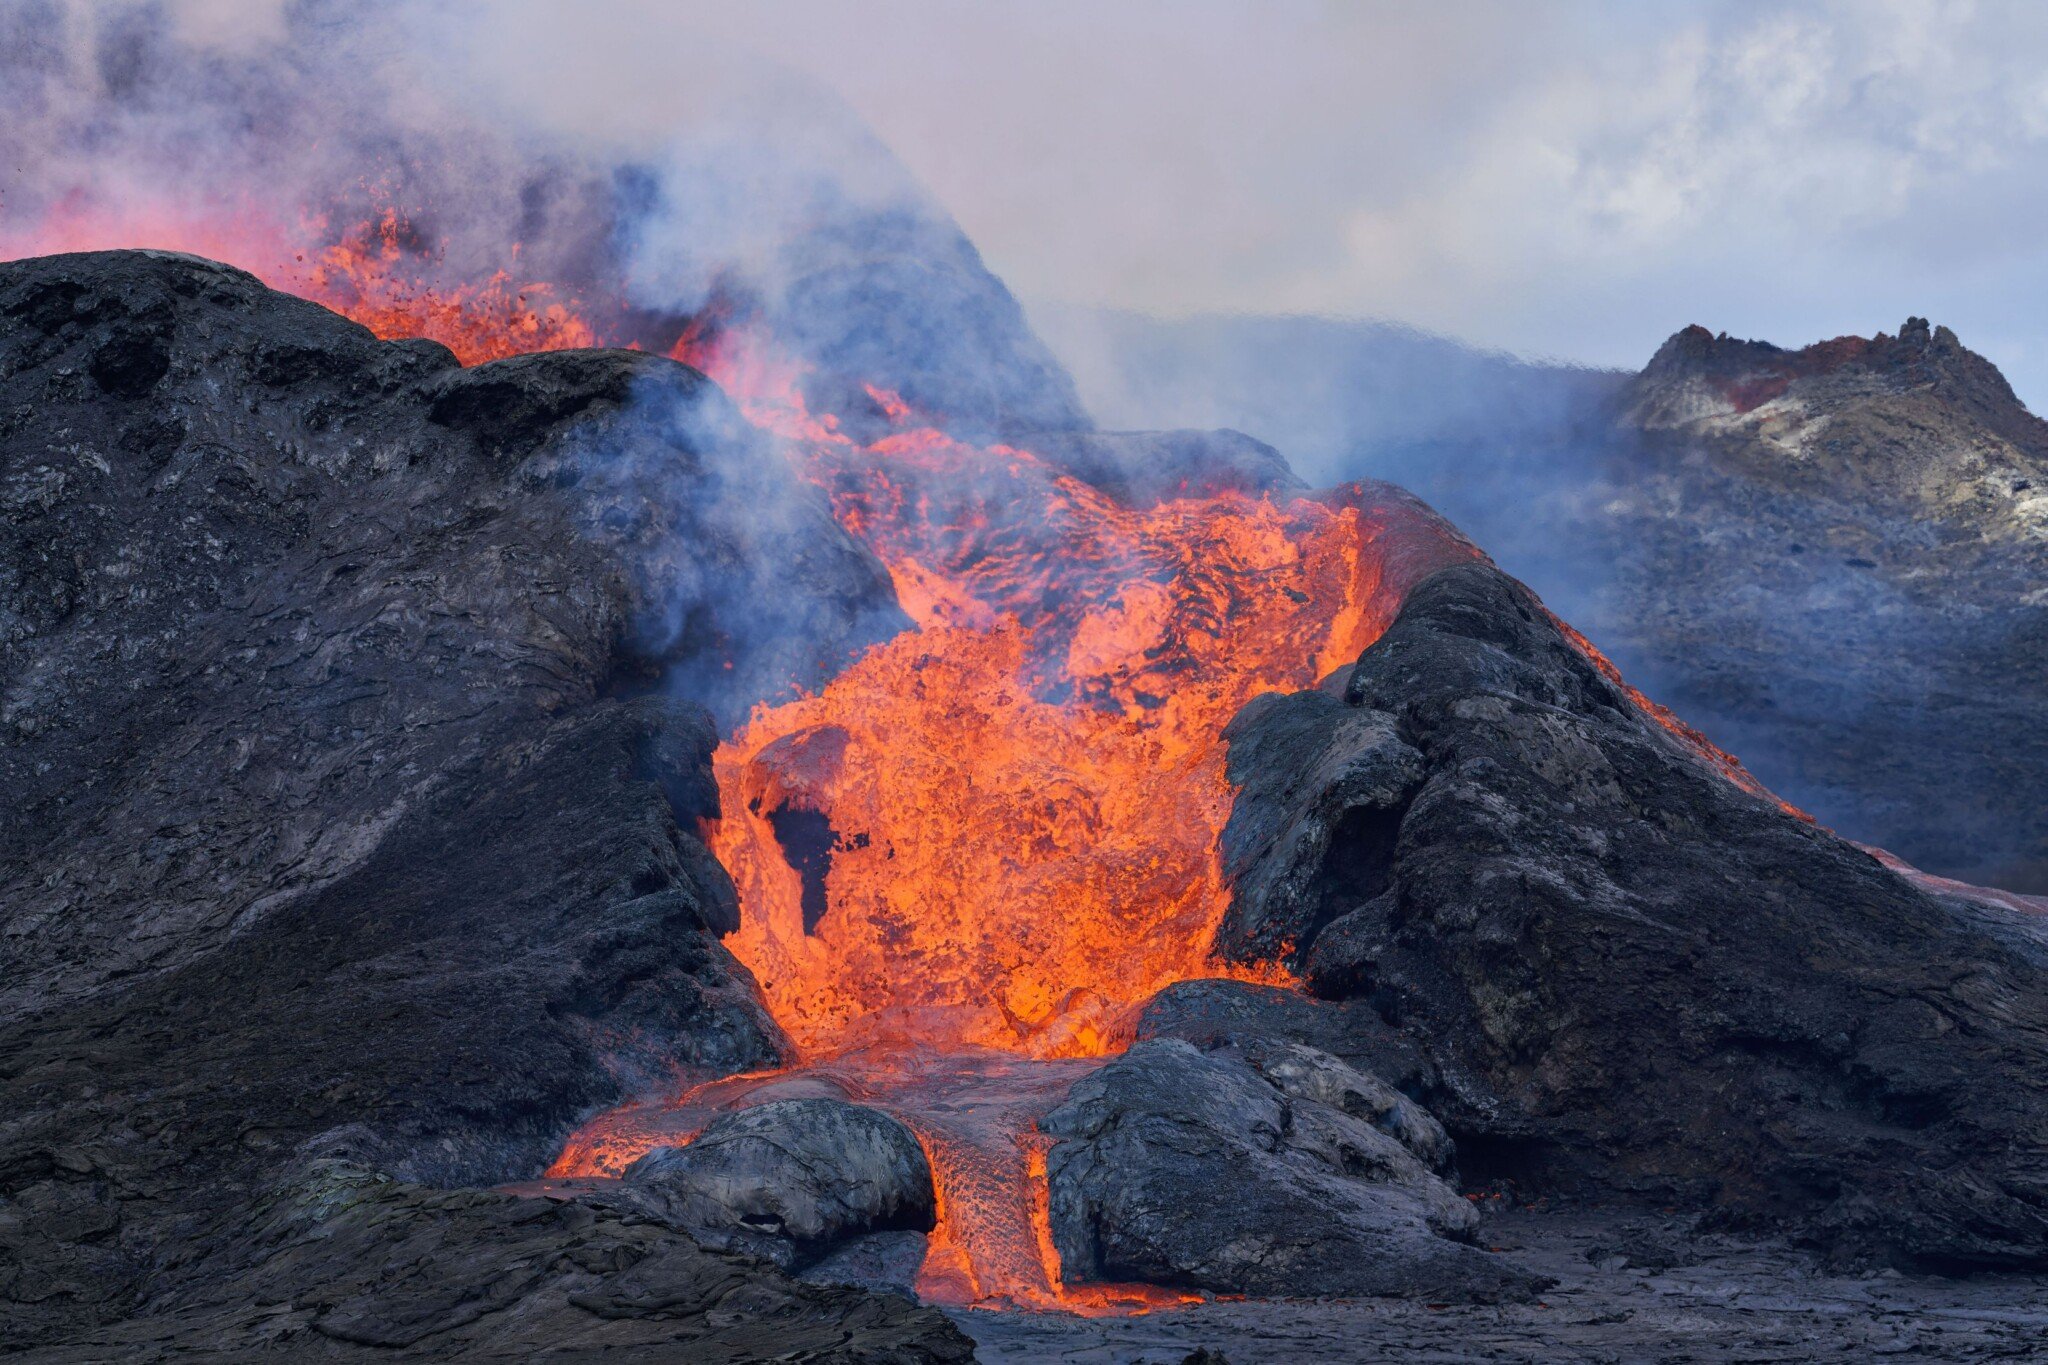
column 1566, row 179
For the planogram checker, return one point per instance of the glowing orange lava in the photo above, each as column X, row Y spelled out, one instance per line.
column 987, row 842
column 1001, row 829
column 974, row 1110
column 969, row 858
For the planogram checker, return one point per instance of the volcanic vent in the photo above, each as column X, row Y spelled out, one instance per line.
column 987, row 842
column 967, row 858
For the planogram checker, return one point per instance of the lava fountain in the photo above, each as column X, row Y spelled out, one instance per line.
column 969, row 859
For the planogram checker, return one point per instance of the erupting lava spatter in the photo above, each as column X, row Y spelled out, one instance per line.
column 994, row 837
column 375, row 271
column 1001, row 829
column 986, row 843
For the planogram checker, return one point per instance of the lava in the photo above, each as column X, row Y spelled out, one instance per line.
column 974, row 1110
column 377, row 271
column 967, row 861
column 1014, row 810
column 982, row 846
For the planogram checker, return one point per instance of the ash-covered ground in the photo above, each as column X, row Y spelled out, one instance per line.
column 1629, row 1287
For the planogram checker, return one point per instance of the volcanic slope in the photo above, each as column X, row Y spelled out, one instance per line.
column 342, row 867
column 1831, row 558
column 354, row 860
column 1836, row 561
column 1614, row 973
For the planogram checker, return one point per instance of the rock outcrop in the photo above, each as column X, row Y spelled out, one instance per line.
column 1832, row 560
column 345, row 826
column 1283, row 1174
column 343, row 1264
column 1614, row 971
column 791, row 1180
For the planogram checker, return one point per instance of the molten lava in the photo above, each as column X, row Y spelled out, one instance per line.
column 966, row 861
column 986, row 843
column 1001, row 829
column 994, row 837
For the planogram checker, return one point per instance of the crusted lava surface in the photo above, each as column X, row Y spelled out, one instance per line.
column 1613, row 973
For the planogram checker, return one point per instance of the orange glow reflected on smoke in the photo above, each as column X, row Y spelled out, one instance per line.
column 370, row 271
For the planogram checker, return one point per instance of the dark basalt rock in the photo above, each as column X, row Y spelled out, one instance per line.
column 343, row 825
column 1221, row 1013
column 1285, row 1174
column 886, row 1261
column 791, row 1179
column 1305, row 1074
column 343, row 1264
column 1628, row 976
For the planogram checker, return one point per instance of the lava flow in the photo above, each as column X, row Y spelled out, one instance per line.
column 968, row 860
column 1001, row 829
column 987, row 842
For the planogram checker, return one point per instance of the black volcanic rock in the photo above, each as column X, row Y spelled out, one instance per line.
column 1628, row 975
column 343, row 1264
column 1207, row 1171
column 343, row 827
column 791, row 1179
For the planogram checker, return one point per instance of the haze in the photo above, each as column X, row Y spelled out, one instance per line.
column 1553, row 180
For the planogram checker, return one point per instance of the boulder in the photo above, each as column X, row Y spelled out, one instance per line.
column 1302, row 1073
column 1177, row 1167
column 791, row 1179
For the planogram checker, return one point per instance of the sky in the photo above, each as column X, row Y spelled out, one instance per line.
column 1562, row 180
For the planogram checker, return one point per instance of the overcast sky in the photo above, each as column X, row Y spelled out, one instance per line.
column 1570, row 180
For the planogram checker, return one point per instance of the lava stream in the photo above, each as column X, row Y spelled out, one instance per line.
column 1000, row 829
column 975, row 1112
column 969, row 860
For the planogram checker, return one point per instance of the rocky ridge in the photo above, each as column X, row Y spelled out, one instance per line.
column 1832, row 559
column 1612, row 973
